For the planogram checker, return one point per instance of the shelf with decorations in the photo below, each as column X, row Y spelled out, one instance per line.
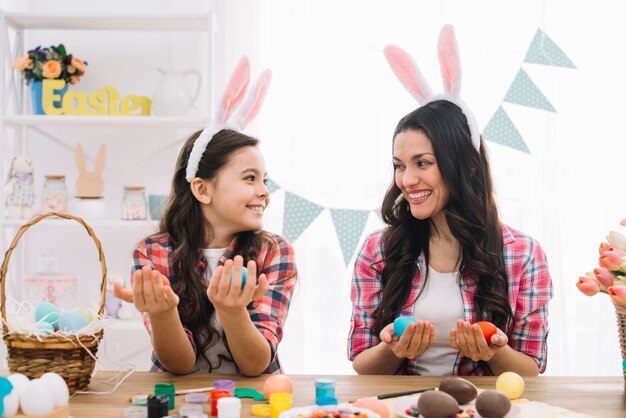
column 21, row 131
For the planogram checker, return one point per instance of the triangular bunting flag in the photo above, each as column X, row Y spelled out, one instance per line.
column 273, row 186
column 544, row 51
column 349, row 224
column 524, row 92
column 500, row 129
column 299, row 214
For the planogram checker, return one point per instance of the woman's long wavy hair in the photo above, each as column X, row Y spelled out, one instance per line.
column 471, row 213
column 184, row 222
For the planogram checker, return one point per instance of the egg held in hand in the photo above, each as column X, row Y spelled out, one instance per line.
column 400, row 324
column 488, row 329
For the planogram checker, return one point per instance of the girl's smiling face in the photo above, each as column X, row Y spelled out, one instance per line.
column 238, row 194
column 417, row 174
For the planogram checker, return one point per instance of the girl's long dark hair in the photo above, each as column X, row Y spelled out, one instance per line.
column 471, row 213
column 184, row 222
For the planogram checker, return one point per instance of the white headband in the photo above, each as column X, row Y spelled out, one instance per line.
column 406, row 70
column 233, row 96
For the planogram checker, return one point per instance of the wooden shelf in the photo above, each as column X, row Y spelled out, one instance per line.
column 110, row 22
column 130, row 121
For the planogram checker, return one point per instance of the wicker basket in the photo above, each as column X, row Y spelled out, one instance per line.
column 620, row 311
column 63, row 355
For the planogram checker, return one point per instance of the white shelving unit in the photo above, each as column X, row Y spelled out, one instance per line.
column 17, row 124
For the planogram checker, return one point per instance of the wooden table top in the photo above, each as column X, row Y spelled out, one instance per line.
column 599, row 396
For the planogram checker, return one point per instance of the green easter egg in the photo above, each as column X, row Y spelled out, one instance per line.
column 47, row 312
column 84, row 312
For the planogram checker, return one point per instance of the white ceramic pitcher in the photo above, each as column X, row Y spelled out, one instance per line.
column 172, row 97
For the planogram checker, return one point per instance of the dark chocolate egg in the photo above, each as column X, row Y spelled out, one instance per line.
column 493, row 404
column 460, row 389
column 434, row 404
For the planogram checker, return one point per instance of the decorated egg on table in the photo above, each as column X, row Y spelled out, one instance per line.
column 57, row 387
column 400, row 324
column 460, row 389
column 36, row 398
column 11, row 404
column 511, row 384
column 71, row 321
column 373, row 404
column 437, row 404
column 84, row 312
column 493, row 404
column 19, row 381
column 45, row 328
column 5, row 389
column 277, row 383
column 47, row 312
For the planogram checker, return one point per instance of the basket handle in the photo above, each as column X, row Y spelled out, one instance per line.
column 33, row 221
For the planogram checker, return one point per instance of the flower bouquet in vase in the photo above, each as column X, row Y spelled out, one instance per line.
column 610, row 278
column 52, row 63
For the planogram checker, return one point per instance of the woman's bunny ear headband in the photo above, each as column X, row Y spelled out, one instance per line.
column 224, row 119
column 409, row 74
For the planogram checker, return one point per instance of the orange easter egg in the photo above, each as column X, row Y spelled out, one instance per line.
column 373, row 404
column 277, row 383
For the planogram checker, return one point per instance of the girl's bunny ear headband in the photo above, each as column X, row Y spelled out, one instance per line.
column 409, row 74
column 224, row 119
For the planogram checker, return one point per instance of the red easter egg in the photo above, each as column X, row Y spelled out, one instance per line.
column 488, row 329
column 277, row 383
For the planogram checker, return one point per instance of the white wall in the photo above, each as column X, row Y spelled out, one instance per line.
column 326, row 129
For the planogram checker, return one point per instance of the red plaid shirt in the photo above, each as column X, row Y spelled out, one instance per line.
column 530, row 289
column 268, row 315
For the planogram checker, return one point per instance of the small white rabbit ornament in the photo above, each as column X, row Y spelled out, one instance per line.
column 89, row 183
column 18, row 188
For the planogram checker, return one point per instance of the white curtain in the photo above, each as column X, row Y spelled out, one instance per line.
column 327, row 123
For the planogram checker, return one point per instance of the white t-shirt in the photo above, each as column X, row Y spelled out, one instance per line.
column 440, row 303
column 227, row 367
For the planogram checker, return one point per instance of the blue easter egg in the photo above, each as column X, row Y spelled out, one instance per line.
column 400, row 324
column 46, row 328
column 47, row 312
column 84, row 312
column 244, row 276
column 71, row 321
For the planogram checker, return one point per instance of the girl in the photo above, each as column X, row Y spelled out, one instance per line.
column 445, row 258
column 188, row 277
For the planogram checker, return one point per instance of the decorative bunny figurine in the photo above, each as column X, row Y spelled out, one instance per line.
column 409, row 74
column 18, row 189
column 233, row 95
column 89, row 183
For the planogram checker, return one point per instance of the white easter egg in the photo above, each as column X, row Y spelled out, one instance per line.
column 58, row 388
column 19, row 382
column 11, row 404
column 36, row 398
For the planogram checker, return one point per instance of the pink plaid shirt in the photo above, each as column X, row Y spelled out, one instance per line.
column 268, row 314
column 530, row 289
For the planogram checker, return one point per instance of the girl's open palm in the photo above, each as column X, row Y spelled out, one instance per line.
column 416, row 339
column 151, row 292
column 226, row 292
column 469, row 340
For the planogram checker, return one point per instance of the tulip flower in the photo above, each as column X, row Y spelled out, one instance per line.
column 604, row 276
column 603, row 247
column 618, row 294
column 611, row 260
column 617, row 240
column 588, row 285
